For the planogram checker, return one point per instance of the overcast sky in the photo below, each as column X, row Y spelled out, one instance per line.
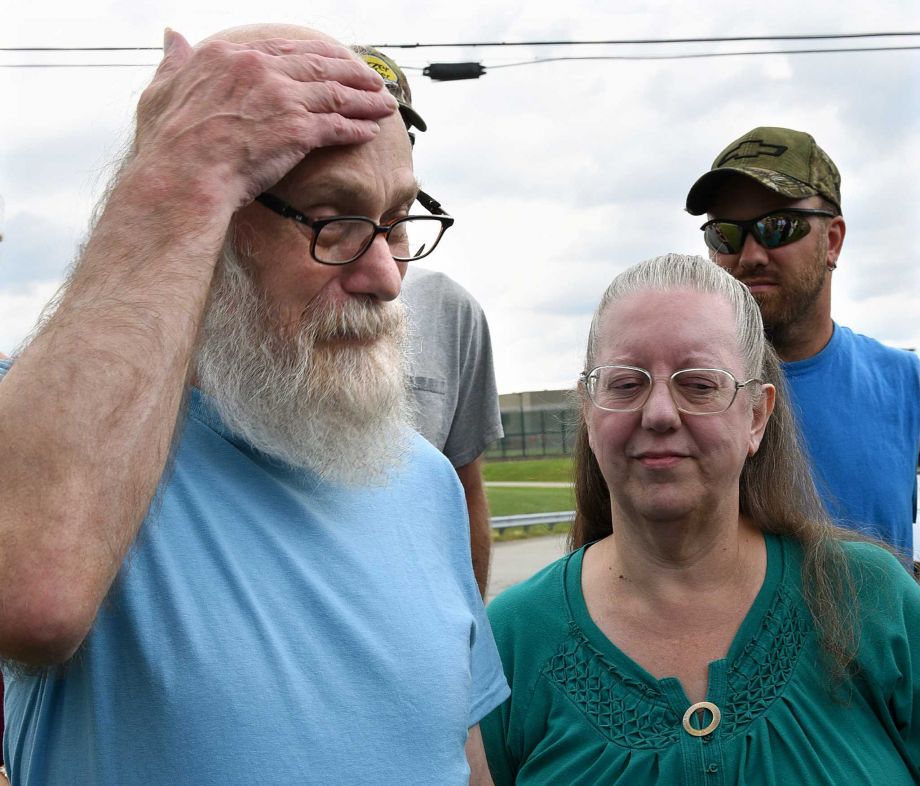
column 559, row 174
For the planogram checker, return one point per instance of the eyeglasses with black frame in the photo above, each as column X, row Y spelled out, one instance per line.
column 695, row 391
column 772, row 230
column 339, row 240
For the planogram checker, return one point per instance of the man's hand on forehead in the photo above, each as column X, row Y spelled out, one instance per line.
column 244, row 114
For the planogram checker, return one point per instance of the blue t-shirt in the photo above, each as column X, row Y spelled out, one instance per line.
column 268, row 627
column 858, row 406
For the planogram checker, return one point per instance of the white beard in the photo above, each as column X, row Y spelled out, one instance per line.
column 333, row 398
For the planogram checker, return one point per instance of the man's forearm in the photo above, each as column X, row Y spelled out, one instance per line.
column 476, row 758
column 480, row 524
column 87, row 415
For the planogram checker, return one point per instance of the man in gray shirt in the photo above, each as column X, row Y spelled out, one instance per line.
column 453, row 384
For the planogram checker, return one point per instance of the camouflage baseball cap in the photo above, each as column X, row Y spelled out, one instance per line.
column 396, row 83
column 785, row 161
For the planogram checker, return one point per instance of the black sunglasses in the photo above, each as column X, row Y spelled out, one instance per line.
column 772, row 230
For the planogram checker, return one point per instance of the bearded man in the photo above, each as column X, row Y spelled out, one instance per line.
column 225, row 558
column 773, row 199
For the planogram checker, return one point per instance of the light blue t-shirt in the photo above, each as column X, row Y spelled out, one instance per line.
column 857, row 404
column 271, row 628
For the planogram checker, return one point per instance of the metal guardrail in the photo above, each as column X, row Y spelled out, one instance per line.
column 533, row 519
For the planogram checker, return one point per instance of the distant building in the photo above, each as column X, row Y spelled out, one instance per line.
column 537, row 423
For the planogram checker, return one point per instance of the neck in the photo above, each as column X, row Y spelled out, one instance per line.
column 802, row 340
column 666, row 559
column 808, row 334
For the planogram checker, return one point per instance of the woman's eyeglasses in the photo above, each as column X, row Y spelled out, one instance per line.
column 695, row 391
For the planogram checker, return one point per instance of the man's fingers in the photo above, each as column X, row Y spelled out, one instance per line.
column 288, row 46
column 176, row 51
column 248, row 113
column 336, row 98
column 322, row 66
column 332, row 130
column 315, row 60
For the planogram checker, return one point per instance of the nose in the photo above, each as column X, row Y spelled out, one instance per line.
column 660, row 413
column 375, row 273
column 752, row 253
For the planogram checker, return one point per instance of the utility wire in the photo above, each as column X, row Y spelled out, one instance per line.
column 79, row 65
column 684, row 56
column 703, row 54
column 621, row 41
column 536, row 61
column 81, row 48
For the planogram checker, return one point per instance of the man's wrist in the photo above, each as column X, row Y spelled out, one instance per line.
column 176, row 194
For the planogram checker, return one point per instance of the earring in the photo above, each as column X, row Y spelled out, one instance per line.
column 831, row 265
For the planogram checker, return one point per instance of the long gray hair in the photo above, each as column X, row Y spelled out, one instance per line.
column 776, row 488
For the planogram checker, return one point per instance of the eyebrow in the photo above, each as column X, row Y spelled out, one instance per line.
column 342, row 192
column 696, row 359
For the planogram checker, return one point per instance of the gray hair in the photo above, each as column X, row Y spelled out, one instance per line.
column 680, row 271
column 776, row 489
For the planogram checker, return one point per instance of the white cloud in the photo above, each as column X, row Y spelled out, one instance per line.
column 559, row 174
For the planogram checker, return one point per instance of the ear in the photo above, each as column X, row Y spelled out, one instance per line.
column 836, row 231
column 761, row 412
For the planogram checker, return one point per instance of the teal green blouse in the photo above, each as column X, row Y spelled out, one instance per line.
column 582, row 712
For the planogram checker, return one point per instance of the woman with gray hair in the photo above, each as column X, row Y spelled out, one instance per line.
column 710, row 625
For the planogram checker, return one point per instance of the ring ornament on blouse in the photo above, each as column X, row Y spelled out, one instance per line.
column 700, row 707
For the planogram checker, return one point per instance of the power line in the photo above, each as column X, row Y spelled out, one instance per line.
column 626, row 41
column 78, row 65
column 597, row 42
column 706, row 54
column 536, row 61
column 81, row 48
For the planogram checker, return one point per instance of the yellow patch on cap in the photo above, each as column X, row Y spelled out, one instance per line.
column 381, row 68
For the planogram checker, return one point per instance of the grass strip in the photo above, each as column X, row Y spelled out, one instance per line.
column 551, row 470
column 515, row 501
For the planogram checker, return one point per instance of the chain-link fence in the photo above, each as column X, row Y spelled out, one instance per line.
column 536, row 424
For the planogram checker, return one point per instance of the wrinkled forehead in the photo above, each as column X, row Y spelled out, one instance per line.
column 378, row 170
column 683, row 320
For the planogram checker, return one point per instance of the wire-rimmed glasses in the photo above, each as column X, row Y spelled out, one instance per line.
column 695, row 391
column 339, row 240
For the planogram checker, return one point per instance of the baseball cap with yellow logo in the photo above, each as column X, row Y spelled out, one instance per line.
column 785, row 161
column 395, row 81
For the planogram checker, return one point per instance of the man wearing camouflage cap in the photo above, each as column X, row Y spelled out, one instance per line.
column 775, row 223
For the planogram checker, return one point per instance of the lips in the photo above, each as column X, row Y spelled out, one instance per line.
column 759, row 284
column 660, row 459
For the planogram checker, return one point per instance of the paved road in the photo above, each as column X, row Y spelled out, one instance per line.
column 516, row 560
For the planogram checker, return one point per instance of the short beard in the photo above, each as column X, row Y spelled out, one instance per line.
column 783, row 312
column 331, row 398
